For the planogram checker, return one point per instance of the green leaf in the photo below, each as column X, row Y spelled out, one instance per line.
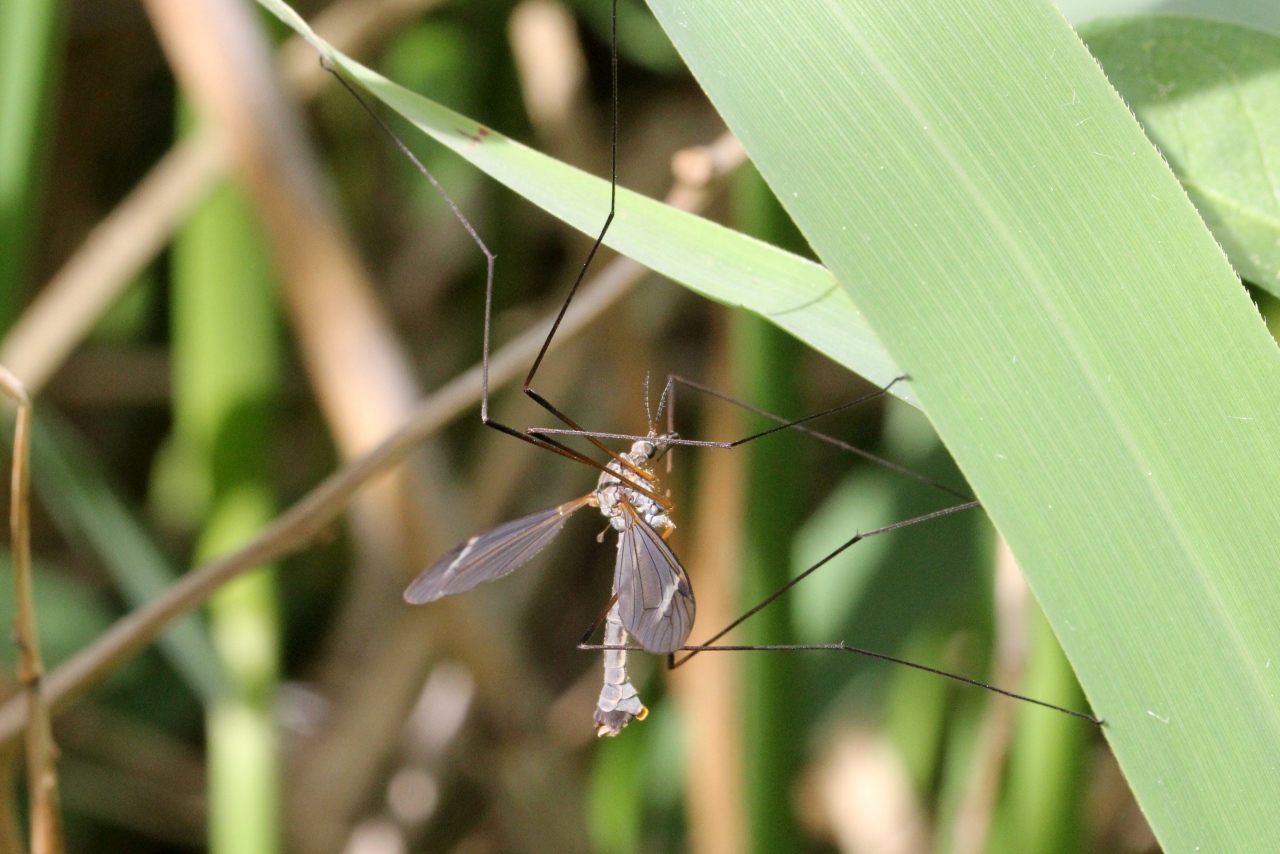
column 1208, row 94
column 792, row 292
column 87, row 510
column 30, row 56
column 1075, row 335
column 1264, row 14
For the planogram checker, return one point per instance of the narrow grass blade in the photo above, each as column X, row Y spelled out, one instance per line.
column 88, row 510
column 225, row 375
column 791, row 292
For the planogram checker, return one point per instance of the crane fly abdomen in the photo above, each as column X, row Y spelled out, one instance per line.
column 619, row 702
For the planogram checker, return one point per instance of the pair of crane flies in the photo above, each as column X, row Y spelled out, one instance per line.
column 652, row 598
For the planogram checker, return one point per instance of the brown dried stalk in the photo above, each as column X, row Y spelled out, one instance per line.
column 42, row 753
column 972, row 824
column 716, row 801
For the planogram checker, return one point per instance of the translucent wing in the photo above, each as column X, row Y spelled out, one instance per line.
column 490, row 555
column 655, row 600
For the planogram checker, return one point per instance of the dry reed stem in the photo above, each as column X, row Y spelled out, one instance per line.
column 552, row 70
column 709, row 691
column 361, row 373
column 311, row 517
column 113, row 253
column 11, row 841
column 972, row 824
column 120, row 246
column 42, row 753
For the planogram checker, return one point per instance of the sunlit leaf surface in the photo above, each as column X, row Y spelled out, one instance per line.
column 1076, row 336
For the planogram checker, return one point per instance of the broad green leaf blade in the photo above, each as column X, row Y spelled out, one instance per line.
column 1208, row 94
column 792, row 292
column 1075, row 335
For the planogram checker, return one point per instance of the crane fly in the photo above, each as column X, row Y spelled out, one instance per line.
column 652, row 599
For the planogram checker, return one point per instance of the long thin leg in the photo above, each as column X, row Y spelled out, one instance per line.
column 783, row 424
column 490, row 259
column 710, row 644
column 528, row 389
column 636, row 473
column 586, row 636
column 857, row 538
column 673, row 663
column 637, row 478
column 843, row 647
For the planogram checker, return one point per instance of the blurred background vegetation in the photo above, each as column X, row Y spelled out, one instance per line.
column 188, row 390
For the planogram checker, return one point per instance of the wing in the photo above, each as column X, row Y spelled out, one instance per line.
column 490, row 555
column 655, row 600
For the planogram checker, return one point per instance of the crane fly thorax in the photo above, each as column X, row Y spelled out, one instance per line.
column 612, row 490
